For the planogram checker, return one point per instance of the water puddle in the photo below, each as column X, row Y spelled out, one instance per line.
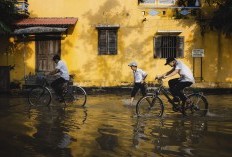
column 108, row 126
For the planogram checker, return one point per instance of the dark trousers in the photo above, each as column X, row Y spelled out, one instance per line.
column 138, row 86
column 176, row 88
column 57, row 86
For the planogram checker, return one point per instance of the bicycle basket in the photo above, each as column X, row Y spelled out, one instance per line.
column 30, row 79
column 40, row 80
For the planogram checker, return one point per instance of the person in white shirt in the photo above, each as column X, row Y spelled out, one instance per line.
column 177, row 85
column 62, row 70
column 139, row 80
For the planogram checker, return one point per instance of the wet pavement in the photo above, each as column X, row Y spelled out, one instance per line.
column 108, row 127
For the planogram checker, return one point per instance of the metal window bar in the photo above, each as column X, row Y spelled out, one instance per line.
column 168, row 46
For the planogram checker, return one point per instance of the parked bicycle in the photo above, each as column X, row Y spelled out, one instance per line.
column 41, row 94
column 151, row 104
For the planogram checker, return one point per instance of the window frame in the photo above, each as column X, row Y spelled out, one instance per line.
column 175, row 4
column 157, row 3
column 111, row 40
column 179, row 53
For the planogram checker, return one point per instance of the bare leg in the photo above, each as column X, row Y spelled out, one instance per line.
column 131, row 101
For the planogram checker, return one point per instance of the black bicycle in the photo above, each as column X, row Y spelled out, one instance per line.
column 151, row 104
column 41, row 94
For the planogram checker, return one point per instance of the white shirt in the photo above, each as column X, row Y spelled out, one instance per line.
column 185, row 73
column 63, row 70
column 139, row 75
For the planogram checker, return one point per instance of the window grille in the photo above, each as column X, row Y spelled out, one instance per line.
column 168, row 46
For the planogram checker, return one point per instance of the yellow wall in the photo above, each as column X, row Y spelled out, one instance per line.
column 135, row 43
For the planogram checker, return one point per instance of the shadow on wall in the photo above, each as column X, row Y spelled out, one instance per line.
column 110, row 66
column 217, row 47
column 21, row 57
column 17, row 54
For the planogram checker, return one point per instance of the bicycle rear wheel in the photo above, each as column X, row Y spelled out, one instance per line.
column 76, row 95
column 197, row 105
column 39, row 96
column 150, row 105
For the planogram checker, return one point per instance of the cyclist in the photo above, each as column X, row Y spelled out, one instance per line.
column 62, row 70
column 139, row 80
column 177, row 85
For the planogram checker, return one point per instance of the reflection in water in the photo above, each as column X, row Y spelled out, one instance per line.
column 169, row 137
column 65, row 141
column 107, row 127
column 107, row 140
column 53, row 127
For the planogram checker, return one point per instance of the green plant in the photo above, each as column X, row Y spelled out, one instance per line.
column 8, row 13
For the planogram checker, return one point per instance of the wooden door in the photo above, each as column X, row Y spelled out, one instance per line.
column 46, row 48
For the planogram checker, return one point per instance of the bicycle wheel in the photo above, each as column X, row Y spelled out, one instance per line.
column 197, row 105
column 150, row 105
column 39, row 96
column 76, row 95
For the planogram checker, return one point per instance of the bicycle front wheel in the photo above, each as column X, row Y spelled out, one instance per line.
column 197, row 105
column 79, row 95
column 150, row 105
column 39, row 96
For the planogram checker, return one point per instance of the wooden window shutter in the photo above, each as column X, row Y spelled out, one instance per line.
column 102, row 42
column 112, row 41
column 157, row 49
column 180, row 47
column 107, row 41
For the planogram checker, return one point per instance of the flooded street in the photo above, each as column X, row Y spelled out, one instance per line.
column 108, row 127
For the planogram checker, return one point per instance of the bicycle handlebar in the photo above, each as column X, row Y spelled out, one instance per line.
column 160, row 80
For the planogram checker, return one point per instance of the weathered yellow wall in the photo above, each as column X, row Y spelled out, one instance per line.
column 217, row 60
column 20, row 55
column 135, row 42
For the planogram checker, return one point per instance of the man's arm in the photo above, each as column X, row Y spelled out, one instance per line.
column 144, row 78
column 167, row 73
column 54, row 72
column 144, row 75
column 174, row 72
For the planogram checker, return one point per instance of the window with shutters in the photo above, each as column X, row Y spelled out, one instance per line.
column 159, row 2
column 107, row 41
column 168, row 46
column 171, row 3
column 146, row 1
column 46, row 48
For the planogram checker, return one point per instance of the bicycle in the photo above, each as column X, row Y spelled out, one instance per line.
column 41, row 94
column 195, row 105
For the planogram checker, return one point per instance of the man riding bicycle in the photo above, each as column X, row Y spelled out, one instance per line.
column 62, row 70
column 177, row 85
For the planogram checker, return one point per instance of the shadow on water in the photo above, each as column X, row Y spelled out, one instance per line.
column 108, row 127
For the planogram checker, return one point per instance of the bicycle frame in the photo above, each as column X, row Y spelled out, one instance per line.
column 165, row 92
column 196, row 103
